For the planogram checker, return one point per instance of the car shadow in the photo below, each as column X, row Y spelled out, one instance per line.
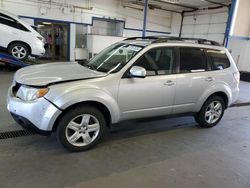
column 140, row 127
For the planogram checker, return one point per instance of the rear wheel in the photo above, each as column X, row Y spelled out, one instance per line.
column 19, row 51
column 81, row 128
column 211, row 112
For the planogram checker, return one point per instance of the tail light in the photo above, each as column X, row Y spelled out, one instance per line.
column 237, row 76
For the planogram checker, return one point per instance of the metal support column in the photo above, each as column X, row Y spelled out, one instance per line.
column 145, row 18
column 182, row 18
column 229, row 21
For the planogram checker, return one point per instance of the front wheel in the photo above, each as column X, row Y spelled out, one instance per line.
column 81, row 128
column 211, row 112
column 19, row 51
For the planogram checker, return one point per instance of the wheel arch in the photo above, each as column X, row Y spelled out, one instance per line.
column 220, row 90
column 221, row 94
column 100, row 106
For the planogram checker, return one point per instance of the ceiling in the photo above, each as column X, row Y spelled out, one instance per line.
column 180, row 5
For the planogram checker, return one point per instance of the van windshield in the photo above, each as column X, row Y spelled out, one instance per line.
column 114, row 58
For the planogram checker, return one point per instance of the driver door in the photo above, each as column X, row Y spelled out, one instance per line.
column 154, row 94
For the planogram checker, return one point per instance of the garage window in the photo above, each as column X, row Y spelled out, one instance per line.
column 218, row 59
column 192, row 60
column 158, row 61
column 6, row 20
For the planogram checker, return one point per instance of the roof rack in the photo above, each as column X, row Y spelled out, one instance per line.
column 159, row 39
column 135, row 38
column 203, row 41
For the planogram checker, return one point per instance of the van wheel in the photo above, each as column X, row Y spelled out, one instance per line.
column 19, row 51
column 81, row 128
column 211, row 112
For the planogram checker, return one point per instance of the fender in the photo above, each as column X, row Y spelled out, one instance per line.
column 82, row 94
column 217, row 87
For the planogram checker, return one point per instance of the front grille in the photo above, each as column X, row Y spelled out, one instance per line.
column 14, row 134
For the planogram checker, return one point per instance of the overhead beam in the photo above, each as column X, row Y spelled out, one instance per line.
column 178, row 5
column 152, row 6
column 216, row 3
column 160, row 8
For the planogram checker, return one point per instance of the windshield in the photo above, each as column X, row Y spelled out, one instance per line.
column 113, row 58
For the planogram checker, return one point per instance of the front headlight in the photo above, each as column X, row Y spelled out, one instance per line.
column 41, row 39
column 27, row 93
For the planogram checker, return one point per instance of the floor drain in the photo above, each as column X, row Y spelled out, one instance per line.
column 14, row 134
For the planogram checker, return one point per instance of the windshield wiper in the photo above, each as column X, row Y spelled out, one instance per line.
column 86, row 64
column 90, row 66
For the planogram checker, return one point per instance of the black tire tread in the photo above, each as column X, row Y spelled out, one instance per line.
column 77, row 110
column 200, row 117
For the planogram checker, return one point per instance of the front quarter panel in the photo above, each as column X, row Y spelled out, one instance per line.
column 70, row 96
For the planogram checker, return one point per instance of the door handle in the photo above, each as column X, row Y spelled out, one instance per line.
column 209, row 79
column 169, row 83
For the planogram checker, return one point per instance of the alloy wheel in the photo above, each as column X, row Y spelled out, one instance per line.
column 213, row 112
column 19, row 52
column 82, row 130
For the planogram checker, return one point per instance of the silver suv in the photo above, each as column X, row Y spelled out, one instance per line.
column 135, row 78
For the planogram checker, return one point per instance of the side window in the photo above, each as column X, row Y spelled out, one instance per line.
column 218, row 59
column 21, row 27
column 192, row 60
column 6, row 20
column 157, row 61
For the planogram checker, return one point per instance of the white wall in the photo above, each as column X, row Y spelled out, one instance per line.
column 72, row 42
column 208, row 24
column 175, row 24
column 158, row 23
column 239, row 41
column 97, row 43
column 157, row 20
column 240, row 51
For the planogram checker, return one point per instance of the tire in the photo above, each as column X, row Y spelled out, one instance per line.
column 19, row 51
column 81, row 128
column 208, row 117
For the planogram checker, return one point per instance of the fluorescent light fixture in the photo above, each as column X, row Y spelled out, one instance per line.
column 46, row 23
column 39, row 26
column 171, row 1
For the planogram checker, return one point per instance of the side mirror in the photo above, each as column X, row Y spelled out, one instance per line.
column 138, row 72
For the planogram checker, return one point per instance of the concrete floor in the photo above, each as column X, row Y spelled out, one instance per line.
column 244, row 95
column 157, row 153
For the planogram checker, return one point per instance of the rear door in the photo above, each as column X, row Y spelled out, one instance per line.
column 193, row 79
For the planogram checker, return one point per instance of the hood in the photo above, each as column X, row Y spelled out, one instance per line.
column 41, row 75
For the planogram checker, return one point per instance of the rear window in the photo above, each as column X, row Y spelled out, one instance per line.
column 218, row 59
column 6, row 20
column 192, row 60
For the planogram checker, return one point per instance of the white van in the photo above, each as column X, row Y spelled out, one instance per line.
column 19, row 38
